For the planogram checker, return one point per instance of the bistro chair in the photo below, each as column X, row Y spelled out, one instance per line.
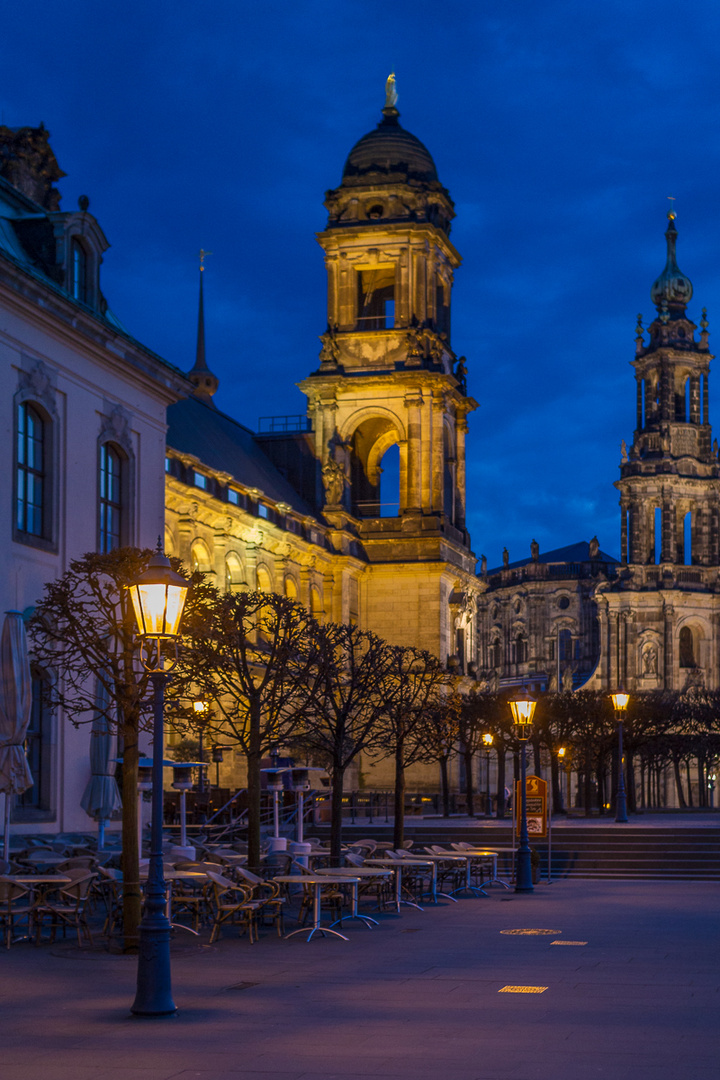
column 232, row 904
column 70, row 909
column 12, row 910
column 268, row 893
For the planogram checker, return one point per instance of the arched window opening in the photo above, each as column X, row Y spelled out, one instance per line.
column 496, row 653
column 264, row 582
column 442, row 310
column 687, row 648
column 200, row 558
column 32, row 446
column 390, row 482
column 79, row 271
column 291, row 589
column 687, row 539
column 657, row 536
column 110, row 504
column 316, row 605
column 565, row 645
column 38, row 750
column 520, row 649
column 376, row 298
column 234, row 579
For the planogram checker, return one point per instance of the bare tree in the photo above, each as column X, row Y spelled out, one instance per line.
column 413, row 680
column 343, row 717
column 440, row 736
column 83, row 631
column 261, row 668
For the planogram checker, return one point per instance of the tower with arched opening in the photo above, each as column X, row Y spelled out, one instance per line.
column 388, row 400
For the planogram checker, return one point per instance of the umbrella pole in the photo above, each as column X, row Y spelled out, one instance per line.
column 101, row 833
column 6, row 832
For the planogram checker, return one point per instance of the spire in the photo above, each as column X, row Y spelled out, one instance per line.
column 200, row 376
column 672, row 291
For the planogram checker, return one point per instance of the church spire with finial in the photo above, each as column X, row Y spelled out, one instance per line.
column 672, row 291
column 200, row 376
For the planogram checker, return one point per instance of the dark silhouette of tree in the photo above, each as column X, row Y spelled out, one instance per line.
column 261, row 665
column 410, row 687
column 84, row 631
column 344, row 714
column 441, row 733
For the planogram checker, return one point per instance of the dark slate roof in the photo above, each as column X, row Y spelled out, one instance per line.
column 198, row 428
column 573, row 553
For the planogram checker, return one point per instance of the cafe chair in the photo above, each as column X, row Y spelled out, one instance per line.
column 232, row 904
column 12, row 908
column 70, row 909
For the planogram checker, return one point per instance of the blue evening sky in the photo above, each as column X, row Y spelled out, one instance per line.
column 559, row 127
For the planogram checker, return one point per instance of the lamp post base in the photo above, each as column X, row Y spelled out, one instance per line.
column 154, row 993
column 523, row 876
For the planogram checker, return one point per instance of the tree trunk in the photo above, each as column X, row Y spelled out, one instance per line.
column 630, row 782
column 537, row 762
column 702, row 783
column 336, row 815
column 689, row 783
column 445, row 786
column 678, row 784
column 253, row 788
column 587, row 777
column 132, row 896
column 469, row 804
column 399, row 829
column 500, row 804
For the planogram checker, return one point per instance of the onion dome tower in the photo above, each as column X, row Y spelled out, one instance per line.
column 671, row 470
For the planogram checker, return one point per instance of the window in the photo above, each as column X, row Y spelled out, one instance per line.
column 233, row 496
column 520, row 649
column 110, row 503
column 263, row 510
column 687, row 649
column 79, row 271
column 496, row 654
column 565, row 645
column 200, row 480
column 32, row 443
column 38, row 752
column 376, row 298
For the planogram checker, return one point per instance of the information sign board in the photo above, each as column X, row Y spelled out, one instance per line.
column 536, row 802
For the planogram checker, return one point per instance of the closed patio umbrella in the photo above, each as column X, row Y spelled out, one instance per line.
column 15, row 709
column 102, row 796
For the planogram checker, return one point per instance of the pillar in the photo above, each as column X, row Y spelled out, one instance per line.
column 669, row 626
column 413, row 404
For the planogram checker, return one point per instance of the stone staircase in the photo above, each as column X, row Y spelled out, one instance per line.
column 604, row 851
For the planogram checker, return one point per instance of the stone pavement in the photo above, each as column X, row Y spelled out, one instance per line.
column 635, row 996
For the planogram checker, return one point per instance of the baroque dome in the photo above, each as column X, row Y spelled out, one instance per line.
column 672, row 288
column 389, row 153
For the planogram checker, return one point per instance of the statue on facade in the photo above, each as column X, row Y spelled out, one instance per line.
column 567, row 680
column 333, row 475
column 649, row 661
column 534, row 550
column 415, row 350
column 483, row 565
column 594, row 548
column 623, row 451
column 506, row 556
column 461, row 374
column 330, row 352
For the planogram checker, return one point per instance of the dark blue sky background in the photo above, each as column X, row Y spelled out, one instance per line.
column 559, row 128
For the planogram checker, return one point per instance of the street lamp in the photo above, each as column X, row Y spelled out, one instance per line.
column 523, row 707
column 202, row 715
column 620, row 704
column 488, row 740
column 158, row 597
column 561, row 761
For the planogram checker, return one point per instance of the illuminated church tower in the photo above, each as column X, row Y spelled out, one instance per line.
column 659, row 621
column 388, row 401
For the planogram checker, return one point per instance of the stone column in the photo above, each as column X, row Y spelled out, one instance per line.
column 624, row 531
column 638, row 395
column 667, row 547
column 251, row 554
column 604, row 636
column 613, row 673
column 461, row 427
column 694, row 399
column 669, row 627
column 305, row 582
column 635, row 532
column 438, row 453
column 413, row 404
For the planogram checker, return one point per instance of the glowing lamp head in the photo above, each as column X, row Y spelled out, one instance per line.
column 523, row 708
column 488, row 740
column 562, row 752
column 620, row 702
column 158, row 597
column 200, row 707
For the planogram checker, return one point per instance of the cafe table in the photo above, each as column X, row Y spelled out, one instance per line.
column 190, row 876
column 317, row 881
column 398, row 865
column 489, row 855
column 40, row 886
column 353, row 872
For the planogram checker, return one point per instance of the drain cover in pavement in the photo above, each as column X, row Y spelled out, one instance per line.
column 568, row 942
column 523, row 990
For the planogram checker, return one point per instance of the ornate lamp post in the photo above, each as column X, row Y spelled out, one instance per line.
column 620, row 704
column 158, row 596
column 488, row 740
column 202, row 715
column 523, row 707
column 561, row 763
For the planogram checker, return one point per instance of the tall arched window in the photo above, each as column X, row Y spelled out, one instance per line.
column 79, row 271
column 496, row 653
column 520, row 649
column 264, row 584
column 390, row 482
column 291, row 590
column 110, row 508
column 32, row 516
column 687, row 648
column 565, row 645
